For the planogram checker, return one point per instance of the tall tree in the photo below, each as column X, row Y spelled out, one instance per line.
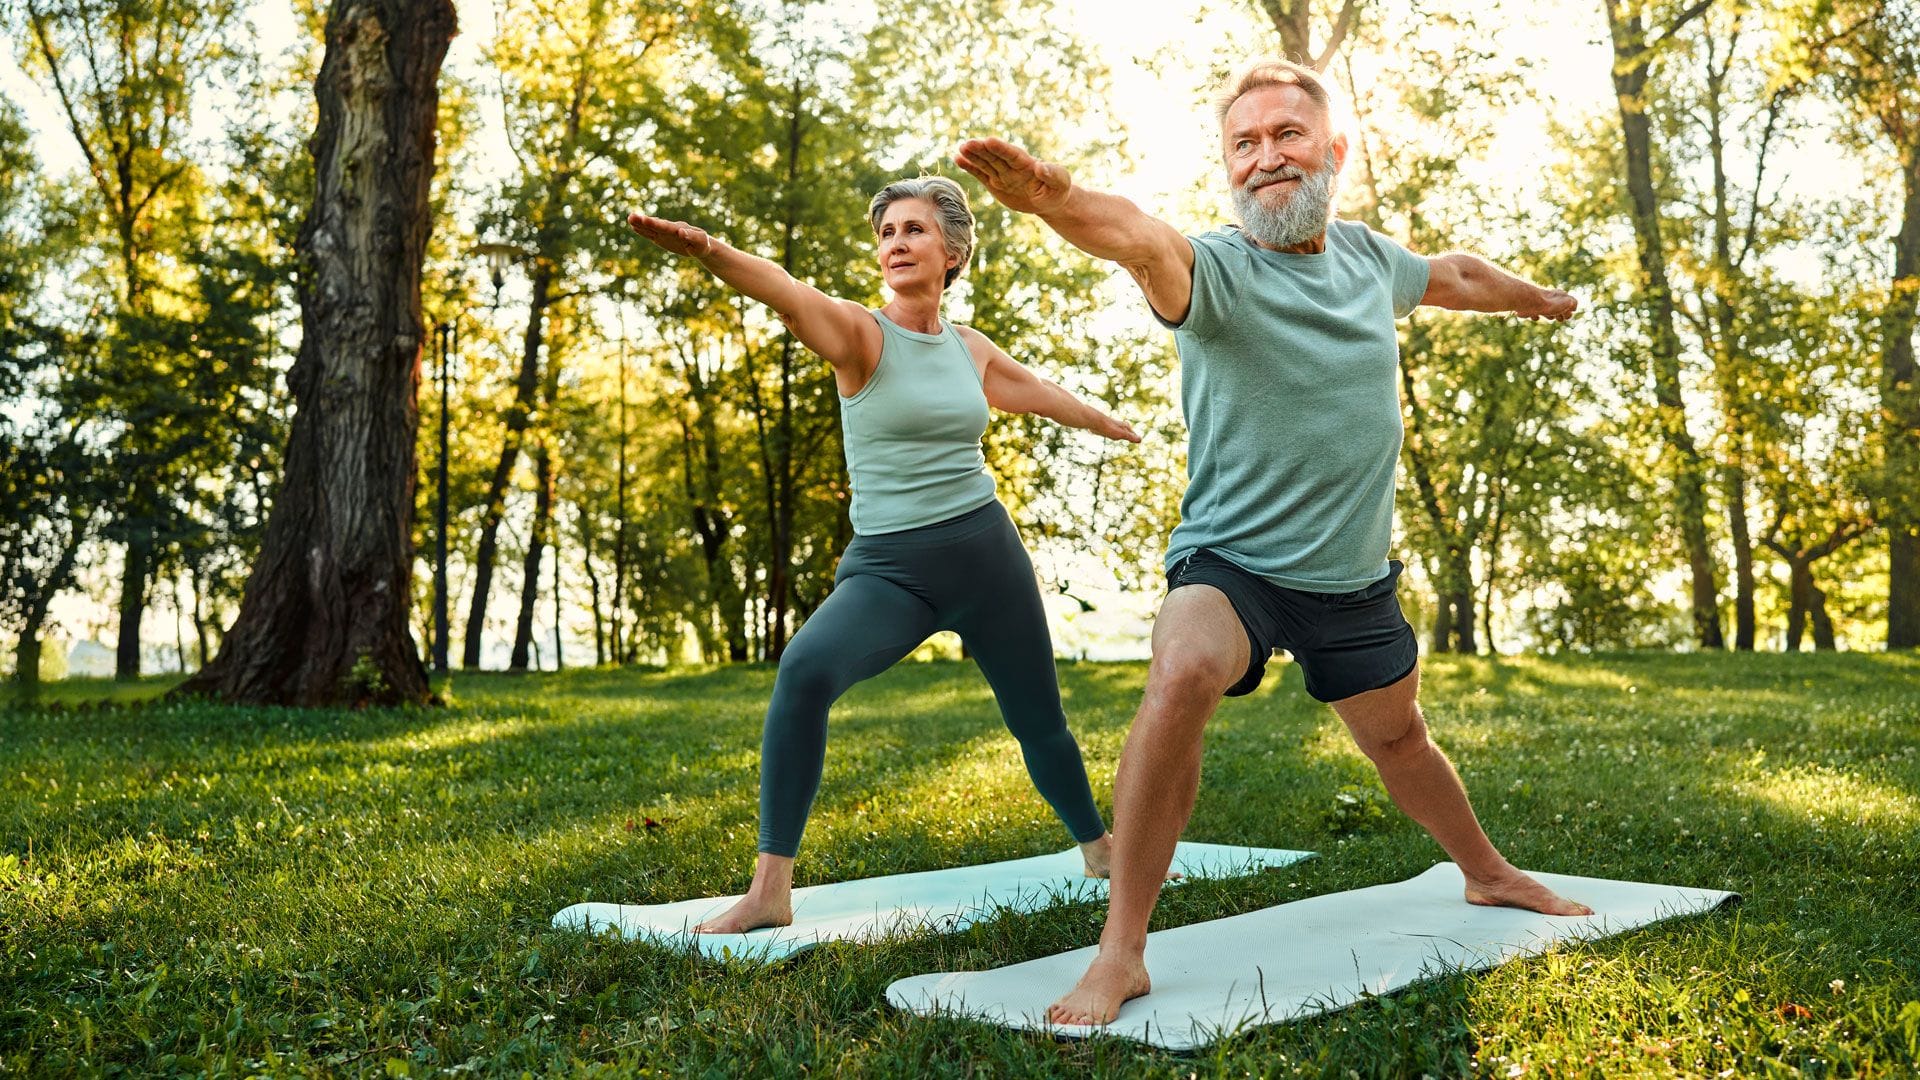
column 124, row 72
column 1869, row 51
column 325, row 618
column 573, row 78
column 1637, row 46
column 49, row 492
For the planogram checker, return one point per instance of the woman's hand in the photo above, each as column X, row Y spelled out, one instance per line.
column 677, row 237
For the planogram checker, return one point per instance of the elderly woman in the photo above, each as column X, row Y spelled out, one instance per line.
column 933, row 549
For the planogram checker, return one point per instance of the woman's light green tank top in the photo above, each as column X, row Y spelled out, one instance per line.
column 912, row 434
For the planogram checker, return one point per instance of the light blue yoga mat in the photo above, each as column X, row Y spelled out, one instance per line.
column 873, row 908
column 1300, row 959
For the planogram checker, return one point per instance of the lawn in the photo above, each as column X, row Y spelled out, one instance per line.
column 188, row 888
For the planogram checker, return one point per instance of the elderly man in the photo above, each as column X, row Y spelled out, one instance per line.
column 1285, row 327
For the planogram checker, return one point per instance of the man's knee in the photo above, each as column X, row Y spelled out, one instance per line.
column 1389, row 743
column 1185, row 675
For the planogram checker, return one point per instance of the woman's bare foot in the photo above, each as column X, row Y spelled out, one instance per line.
column 769, row 900
column 751, row 913
column 1111, row 981
column 1099, row 856
column 1517, row 890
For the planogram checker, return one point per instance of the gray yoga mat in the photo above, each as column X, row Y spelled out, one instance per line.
column 1295, row 960
column 872, row 908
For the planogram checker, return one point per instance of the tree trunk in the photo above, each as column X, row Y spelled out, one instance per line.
column 1294, row 21
column 593, row 589
column 1822, row 625
column 526, row 385
column 325, row 616
column 1442, row 639
column 536, row 554
column 559, row 655
column 199, row 620
column 616, row 610
column 1465, row 620
column 1632, row 57
column 133, row 601
column 1743, row 619
column 26, row 666
column 1799, row 600
column 1900, row 401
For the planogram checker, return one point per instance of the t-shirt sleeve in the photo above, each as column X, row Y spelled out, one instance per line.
column 1207, row 310
column 1409, row 273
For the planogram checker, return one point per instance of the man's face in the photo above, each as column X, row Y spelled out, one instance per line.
column 1274, row 128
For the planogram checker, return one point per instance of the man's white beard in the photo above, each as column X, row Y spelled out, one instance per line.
column 1299, row 219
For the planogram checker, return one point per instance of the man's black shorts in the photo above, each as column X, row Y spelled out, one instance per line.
column 1345, row 643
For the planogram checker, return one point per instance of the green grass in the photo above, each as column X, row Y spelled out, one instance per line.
column 192, row 889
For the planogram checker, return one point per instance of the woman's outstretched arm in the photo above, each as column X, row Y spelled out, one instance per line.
column 841, row 331
column 1013, row 387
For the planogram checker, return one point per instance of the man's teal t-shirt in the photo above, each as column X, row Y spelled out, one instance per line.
column 1289, row 381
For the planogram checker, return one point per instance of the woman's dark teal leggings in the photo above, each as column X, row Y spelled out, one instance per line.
column 969, row 574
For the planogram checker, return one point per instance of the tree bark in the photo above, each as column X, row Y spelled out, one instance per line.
column 593, row 589
column 133, row 600
column 1633, row 55
column 1743, row 616
column 536, row 554
column 325, row 616
column 1900, row 401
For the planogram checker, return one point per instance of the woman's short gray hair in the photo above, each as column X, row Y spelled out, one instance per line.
column 950, row 211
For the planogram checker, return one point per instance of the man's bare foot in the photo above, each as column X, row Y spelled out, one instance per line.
column 1110, row 982
column 751, row 913
column 1515, row 889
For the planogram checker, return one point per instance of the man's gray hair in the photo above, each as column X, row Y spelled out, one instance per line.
column 950, row 212
column 1270, row 72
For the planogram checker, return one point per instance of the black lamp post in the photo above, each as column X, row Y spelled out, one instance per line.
column 447, row 336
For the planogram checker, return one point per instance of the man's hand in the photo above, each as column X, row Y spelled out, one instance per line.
column 1552, row 304
column 1112, row 427
column 677, row 237
column 1015, row 178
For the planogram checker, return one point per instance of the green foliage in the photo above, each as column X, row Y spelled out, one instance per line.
column 192, row 888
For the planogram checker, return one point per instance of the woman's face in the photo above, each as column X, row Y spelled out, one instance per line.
column 911, row 250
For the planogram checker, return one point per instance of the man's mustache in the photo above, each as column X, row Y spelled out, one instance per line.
column 1262, row 179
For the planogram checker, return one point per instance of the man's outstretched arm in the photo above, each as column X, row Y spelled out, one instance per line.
column 1104, row 226
column 1462, row 282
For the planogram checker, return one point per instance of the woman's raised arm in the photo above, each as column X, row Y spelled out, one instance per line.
column 841, row 331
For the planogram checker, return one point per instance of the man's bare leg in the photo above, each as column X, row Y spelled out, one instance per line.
column 1387, row 725
column 1199, row 650
column 769, row 900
